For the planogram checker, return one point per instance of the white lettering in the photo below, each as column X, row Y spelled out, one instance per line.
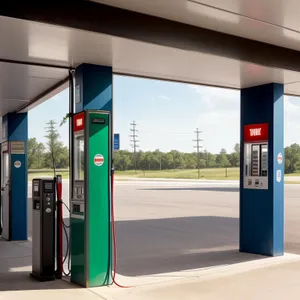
column 255, row 132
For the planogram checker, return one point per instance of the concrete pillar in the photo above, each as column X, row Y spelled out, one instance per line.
column 93, row 88
column 15, row 136
column 91, row 235
column 262, row 197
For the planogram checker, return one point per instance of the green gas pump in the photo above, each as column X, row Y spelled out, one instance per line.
column 90, row 234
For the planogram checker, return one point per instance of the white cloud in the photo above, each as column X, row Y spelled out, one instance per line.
column 217, row 98
column 164, row 97
column 219, row 117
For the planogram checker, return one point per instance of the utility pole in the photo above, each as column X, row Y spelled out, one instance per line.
column 134, row 141
column 160, row 162
column 198, row 147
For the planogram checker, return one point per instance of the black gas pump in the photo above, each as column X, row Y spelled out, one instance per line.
column 43, row 229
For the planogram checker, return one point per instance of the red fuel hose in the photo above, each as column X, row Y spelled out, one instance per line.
column 114, row 271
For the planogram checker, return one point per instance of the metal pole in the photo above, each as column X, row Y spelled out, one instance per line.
column 71, row 136
column 71, row 141
column 198, row 140
column 198, row 156
column 134, row 145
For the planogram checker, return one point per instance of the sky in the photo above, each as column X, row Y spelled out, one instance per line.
column 167, row 114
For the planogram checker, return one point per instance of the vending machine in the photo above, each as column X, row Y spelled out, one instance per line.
column 256, row 156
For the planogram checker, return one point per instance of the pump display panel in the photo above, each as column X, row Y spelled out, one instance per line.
column 48, row 186
column 256, row 156
column 77, row 201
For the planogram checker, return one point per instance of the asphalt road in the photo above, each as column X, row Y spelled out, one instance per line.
column 173, row 226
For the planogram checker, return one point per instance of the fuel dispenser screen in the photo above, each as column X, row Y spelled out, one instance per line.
column 256, row 156
column 48, row 186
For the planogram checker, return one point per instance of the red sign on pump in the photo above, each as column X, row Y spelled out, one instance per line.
column 256, row 132
column 78, row 121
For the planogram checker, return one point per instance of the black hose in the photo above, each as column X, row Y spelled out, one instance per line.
column 67, row 254
column 67, row 226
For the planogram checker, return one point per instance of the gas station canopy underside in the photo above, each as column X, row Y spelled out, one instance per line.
column 234, row 44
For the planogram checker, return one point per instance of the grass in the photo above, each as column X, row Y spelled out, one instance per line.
column 210, row 174
column 217, row 174
column 293, row 174
column 47, row 173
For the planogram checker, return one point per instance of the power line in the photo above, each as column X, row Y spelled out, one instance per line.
column 166, row 133
column 134, row 141
column 198, row 147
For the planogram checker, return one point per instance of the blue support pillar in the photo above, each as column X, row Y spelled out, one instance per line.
column 91, row 236
column 93, row 88
column 16, row 130
column 262, row 210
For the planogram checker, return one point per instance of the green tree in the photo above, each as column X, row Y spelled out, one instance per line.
column 234, row 157
column 56, row 150
column 237, row 148
column 190, row 160
column 292, row 158
column 32, row 145
column 63, row 158
column 211, row 160
column 122, row 160
column 40, row 153
column 156, row 160
column 177, row 159
column 222, row 160
column 167, row 161
column 35, row 154
column 223, row 151
column 157, row 157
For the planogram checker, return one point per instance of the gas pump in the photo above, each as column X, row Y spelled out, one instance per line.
column 43, row 229
column 256, row 156
column 91, row 256
column 10, row 158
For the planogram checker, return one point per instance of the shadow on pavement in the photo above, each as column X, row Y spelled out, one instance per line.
column 16, row 264
column 208, row 189
column 15, row 268
column 147, row 247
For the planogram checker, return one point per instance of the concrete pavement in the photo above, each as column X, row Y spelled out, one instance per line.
column 176, row 240
column 257, row 278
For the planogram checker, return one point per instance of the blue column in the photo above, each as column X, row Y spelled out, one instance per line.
column 93, row 89
column 262, row 211
column 16, row 129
